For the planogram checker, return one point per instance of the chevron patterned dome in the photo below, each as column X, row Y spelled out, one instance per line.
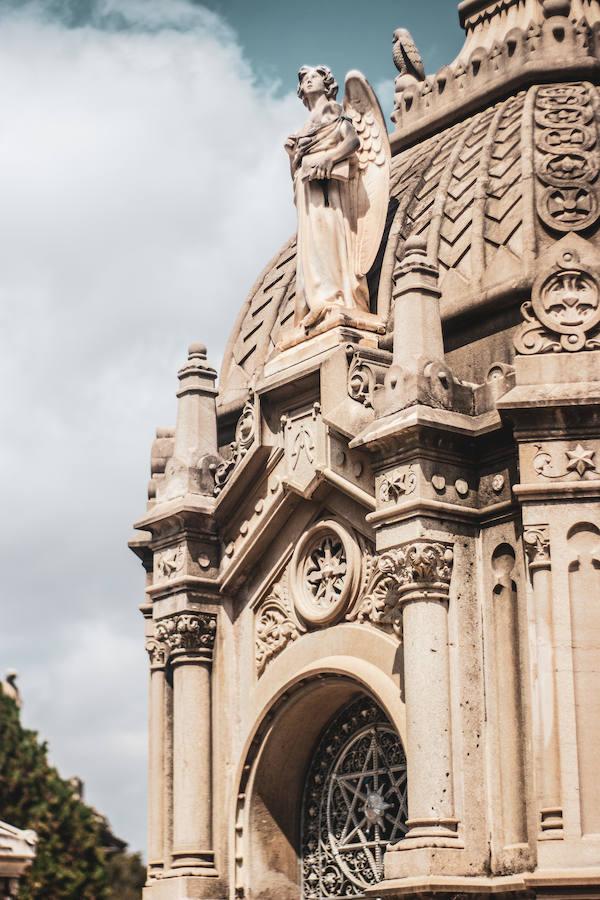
column 488, row 194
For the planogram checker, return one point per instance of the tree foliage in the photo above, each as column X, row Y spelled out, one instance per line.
column 126, row 875
column 71, row 862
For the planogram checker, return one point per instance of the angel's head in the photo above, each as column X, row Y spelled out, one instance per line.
column 315, row 80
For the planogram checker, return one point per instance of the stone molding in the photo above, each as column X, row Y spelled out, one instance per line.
column 417, row 570
column 486, row 71
column 187, row 635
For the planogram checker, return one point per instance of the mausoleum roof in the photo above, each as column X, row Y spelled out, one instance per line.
column 489, row 187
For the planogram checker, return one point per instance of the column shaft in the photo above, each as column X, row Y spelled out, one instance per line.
column 550, row 800
column 427, row 688
column 192, row 788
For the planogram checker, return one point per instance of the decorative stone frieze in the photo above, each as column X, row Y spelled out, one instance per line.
column 564, row 311
column 577, row 464
column 566, row 157
column 188, row 633
column 275, row 627
column 414, row 570
column 245, row 432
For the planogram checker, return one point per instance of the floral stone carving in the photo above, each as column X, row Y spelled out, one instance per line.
column 244, row 438
column 188, row 633
column 536, row 540
column 325, row 573
column 416, row 570
column 275, row 627
column 564, row 310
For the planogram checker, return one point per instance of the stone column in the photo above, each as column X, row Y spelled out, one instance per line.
column 424, row 600
column 414, row 579
column 158, row 653
column 537, row 547
column 191, row 639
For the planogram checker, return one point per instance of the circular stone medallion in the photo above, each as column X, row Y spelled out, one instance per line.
column 325, row 572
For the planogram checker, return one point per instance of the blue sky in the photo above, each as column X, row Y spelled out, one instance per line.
column 144, row 185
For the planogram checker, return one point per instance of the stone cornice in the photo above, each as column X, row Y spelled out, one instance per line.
column 525, row 56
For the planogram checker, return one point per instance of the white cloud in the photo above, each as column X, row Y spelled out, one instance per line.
column 143, row 187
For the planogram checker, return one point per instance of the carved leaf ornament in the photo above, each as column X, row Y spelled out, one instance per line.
column 410, row 572
column 275, row 627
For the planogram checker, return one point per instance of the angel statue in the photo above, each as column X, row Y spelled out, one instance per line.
column 340, row 166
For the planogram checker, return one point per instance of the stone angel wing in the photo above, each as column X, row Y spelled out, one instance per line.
column 374, row 154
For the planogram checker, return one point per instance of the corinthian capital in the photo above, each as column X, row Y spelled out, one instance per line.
column 188, row 633
column 158, row 652
column 536, row 540
column 417, row 570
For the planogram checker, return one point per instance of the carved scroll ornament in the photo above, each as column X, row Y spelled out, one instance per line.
column 564, row 311
column 416, row 570
column 244, row 438
column 275, row 627
column 536, row 540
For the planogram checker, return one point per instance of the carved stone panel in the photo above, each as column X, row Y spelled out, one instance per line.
column 566, row 157
column 564, row 311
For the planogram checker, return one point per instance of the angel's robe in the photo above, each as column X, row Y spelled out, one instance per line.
column 326, row 267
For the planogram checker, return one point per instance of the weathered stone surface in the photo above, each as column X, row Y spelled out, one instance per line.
column 372, row 559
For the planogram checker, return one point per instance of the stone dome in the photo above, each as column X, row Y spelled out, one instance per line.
column 489, row 190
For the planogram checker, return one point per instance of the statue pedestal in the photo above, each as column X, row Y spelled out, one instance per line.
column 301, row 346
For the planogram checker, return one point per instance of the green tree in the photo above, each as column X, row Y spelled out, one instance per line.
column 70, row 862
column 126, row 876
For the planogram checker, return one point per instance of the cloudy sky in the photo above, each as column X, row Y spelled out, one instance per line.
column 143, row 186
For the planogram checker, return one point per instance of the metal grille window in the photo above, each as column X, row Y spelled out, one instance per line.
column 354, row 804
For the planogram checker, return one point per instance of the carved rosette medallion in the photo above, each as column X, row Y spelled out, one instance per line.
column 275, row 627
column 564, row 310
column 566, row 157
column 536, row 541
column 417, row 570
column 245, row 431
column 182, row 634
column 325, row 573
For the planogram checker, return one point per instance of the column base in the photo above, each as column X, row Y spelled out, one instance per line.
column 194, row 863
column 423, row 833
column 417, row 862
column 449, row 887
column 181, row 886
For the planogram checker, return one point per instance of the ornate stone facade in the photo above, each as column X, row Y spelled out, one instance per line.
column 372, row 555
